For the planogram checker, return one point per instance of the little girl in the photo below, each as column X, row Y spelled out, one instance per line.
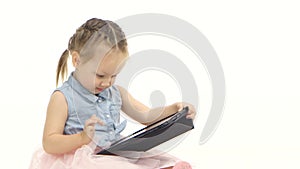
column 83, row 115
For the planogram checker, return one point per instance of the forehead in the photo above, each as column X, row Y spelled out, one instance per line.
column 111, row 63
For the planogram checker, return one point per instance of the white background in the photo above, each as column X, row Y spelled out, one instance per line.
column 257, row 43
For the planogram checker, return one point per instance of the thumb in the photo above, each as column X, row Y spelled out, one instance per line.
column 97, row 120
column 179, row 106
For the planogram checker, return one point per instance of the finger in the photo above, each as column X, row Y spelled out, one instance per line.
column 179, row 106
column 191, row 114
column 190, row 117
column 97, row 120
column 90, row 122
column 94, row 117
column 90, row 129
column 100, row 122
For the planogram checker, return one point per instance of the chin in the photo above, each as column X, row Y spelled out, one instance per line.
column 97, row 91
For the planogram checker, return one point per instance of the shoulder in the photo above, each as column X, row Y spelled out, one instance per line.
column 121, row 89
column 123, row 92
column 57, row 104
column 64, row 88
column 58, row 96
column 58, row 99
column 63, row 93
column 125, row 95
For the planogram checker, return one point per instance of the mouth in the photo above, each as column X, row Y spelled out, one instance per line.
column 99, row 89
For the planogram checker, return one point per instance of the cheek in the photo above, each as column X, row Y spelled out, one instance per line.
column 89, row 82
column 96, row 81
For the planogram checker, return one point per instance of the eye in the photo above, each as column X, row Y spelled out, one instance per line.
column 100, row 76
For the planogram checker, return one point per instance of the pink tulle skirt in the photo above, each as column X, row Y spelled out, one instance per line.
column 84, row 158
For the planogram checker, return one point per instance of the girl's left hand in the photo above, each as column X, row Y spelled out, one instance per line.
column 192, row 112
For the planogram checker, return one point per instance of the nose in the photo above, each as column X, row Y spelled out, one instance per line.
column 106, row 82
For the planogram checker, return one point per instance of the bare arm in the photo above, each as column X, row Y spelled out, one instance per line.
column 54, row 141
column 144, row 114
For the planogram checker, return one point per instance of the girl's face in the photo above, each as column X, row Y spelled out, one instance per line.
column 100, row 73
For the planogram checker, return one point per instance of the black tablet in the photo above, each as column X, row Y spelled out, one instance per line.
column 152, row 135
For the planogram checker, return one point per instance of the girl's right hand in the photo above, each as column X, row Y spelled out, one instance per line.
column 89, row 127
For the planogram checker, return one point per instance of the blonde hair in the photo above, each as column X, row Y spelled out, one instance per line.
column 89, row 35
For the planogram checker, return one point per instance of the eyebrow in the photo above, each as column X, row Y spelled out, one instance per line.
column 104, row 73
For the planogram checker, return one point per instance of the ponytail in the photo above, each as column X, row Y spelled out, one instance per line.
column 62, row 67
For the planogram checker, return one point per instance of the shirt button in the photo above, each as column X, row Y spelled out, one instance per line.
column 107, row 115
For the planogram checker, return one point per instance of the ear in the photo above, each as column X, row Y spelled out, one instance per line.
column 75, row 58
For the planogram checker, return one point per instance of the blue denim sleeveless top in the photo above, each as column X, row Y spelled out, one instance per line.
column 82, row 104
